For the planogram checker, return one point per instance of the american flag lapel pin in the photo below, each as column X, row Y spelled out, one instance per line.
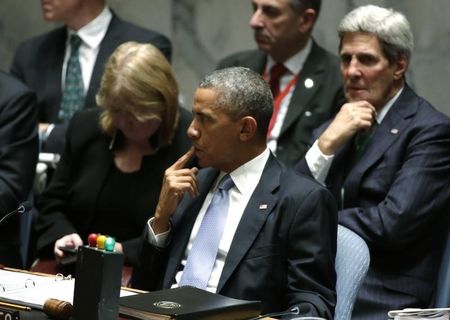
column 263, row 206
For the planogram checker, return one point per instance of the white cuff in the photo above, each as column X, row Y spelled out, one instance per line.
column 319, row 164
column 43, row 135
column 47, row 132
column 159, row 240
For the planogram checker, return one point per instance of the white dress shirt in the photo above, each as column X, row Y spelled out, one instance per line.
column 91, row 35
column 319, row 164
column 245, row 179
column 294, row 66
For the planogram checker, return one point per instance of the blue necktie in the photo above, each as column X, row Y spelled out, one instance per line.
column 203, row 254
column 73, row 94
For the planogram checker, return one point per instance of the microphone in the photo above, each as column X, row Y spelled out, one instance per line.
column 22, row 208
column 292, row 311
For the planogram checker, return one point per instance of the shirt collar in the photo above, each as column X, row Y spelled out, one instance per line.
column 295, row 63
column 92, row 33
column 248, row 174
column 382, row 113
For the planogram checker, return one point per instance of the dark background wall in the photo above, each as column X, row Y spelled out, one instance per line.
column 204, row 31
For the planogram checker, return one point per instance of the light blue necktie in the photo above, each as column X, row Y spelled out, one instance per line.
column 73, row 94
column 203, row 254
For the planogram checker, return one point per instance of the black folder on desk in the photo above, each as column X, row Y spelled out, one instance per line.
column 186, row 303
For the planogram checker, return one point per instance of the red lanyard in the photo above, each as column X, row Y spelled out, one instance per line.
column 278, row 99
column 284, row 92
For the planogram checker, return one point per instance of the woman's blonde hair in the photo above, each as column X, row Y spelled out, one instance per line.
column 138, row 79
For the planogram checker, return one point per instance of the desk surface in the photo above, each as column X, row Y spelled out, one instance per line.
column 51, row 267
column 39, row 315
column 32, row 315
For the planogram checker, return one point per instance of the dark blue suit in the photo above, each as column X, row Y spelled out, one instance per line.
column 38, row 62
column 282, row 254
column 397, row 197
column 18, row 157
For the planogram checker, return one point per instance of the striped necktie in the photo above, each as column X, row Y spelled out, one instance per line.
column 73, row 94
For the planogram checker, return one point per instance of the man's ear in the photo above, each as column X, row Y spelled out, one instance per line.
column 308, row 19
column 401, row 65
column 248, row 128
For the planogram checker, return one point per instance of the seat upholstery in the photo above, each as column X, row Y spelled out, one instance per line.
column 443, row 280
column 352, row 263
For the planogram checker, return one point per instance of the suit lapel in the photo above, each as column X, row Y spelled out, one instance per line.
column 52, row 62
column 109, row 43
column 313, row 70
column 253, row 219
column 183, row 221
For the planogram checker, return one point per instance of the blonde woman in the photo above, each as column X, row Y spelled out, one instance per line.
column 110, row 175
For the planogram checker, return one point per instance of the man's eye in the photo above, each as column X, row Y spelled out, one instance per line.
column 367, row 60
column 200, row 118
column 346, row 59
column 271, row 11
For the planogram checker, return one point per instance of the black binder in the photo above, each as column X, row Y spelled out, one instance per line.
column 186, row 303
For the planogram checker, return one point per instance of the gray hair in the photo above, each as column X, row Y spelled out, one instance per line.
column 390, row 26
column 241, row 92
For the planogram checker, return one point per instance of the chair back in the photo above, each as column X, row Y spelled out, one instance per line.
column 352, row 263
column 443, row 279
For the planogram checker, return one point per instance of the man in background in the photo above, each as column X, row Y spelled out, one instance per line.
column 64, row 66
column 304, row 78
column 386, row 159
column 18, row 156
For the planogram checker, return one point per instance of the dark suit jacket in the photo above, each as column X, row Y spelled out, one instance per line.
column 38, row 62
column 18, row 157
column 397, row 196
column 282, row 255
column 309, row 107
column 71, row 201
